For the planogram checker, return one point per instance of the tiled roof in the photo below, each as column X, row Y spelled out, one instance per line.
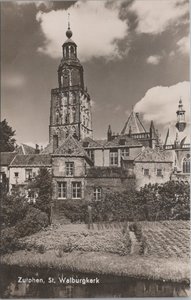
column 90, row 143
column 133, row 124
column 6, row 158
column 122, row 140
column 72, row 148
column 48, row 149
column 25, row 149
column 37, row 160
column 154, row 155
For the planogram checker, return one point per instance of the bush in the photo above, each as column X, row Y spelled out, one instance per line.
column 75, row 210
column 9, row 242
column 34, row 221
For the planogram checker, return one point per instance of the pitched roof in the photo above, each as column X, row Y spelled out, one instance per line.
column 72, row 148
column 154, row 155
column 133, row 124
column 48, row 149
column 90, row 143
column 37, row 160
column 122, row 140
column 25, row 149
column 6, row 158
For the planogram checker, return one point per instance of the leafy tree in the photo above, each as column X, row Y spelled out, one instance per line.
column 13, row 209
column 7, row 139
column 43, row 185
column 168, row 201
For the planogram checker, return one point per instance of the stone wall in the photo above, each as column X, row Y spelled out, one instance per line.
column 152, row 178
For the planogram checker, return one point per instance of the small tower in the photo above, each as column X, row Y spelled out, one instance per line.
column 181, row 123
column 109, row 133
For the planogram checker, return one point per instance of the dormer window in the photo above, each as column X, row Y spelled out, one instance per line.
column 122, row 142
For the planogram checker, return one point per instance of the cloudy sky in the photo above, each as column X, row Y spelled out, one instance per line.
column 134, row 53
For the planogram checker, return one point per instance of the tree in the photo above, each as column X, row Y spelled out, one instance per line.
column 43, row 184
column 7, row 139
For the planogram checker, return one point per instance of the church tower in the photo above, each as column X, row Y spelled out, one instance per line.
column 181, row 123
column 70, row 112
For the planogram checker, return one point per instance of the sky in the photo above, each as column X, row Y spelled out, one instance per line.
column 135, row 53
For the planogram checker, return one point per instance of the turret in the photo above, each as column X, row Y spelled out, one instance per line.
column 109, row 133
column 181, row 123
column 70, row 70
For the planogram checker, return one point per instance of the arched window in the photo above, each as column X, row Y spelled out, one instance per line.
column 186, row 164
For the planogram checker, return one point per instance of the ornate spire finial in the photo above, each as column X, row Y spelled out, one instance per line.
column 68, row 21
column 69, row 32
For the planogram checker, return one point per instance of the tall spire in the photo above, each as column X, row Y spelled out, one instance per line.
column 69, row 32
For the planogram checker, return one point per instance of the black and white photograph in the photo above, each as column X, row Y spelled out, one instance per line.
column 95, row 149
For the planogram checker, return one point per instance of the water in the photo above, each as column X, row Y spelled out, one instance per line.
column 108, row 286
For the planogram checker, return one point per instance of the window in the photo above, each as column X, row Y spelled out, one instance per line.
column 28, row 174
column 186, row 164
column 16, row 174
column 76, row 190
column 159, row 172
column 114, row 157
column 97, row 193
column 122, row 142
column 146, row 172
column 90, row 152
column 69, row 168
column 125, row 152
column 62, row 190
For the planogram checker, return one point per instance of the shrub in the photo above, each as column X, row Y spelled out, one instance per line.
column 34, row 221
column 9, row 242
column 75, row 210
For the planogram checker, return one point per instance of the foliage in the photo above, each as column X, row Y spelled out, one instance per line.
column 34, row 221
column 9, row 241
column 168, row 201
column 43, row 183
column 75, row 210
column 116, row 206
column 7, row 139
column 13, row 209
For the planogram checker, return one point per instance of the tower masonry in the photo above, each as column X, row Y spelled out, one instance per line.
column 70, row 111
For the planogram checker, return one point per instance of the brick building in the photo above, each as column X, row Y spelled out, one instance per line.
column 86, row 168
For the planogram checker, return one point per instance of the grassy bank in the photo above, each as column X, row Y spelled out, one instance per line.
column 92, row 262
column 107, row 250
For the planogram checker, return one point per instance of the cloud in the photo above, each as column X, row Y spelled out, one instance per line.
column 154, row 59
column 38, row 4
column 155, row 16
column 13, row 81
column 160, row 103
column 96, row 30
column 183, row 45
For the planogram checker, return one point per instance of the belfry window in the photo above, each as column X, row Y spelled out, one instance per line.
column 186, row 164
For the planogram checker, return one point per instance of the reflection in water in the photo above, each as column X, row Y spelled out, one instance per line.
column 109, row 286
